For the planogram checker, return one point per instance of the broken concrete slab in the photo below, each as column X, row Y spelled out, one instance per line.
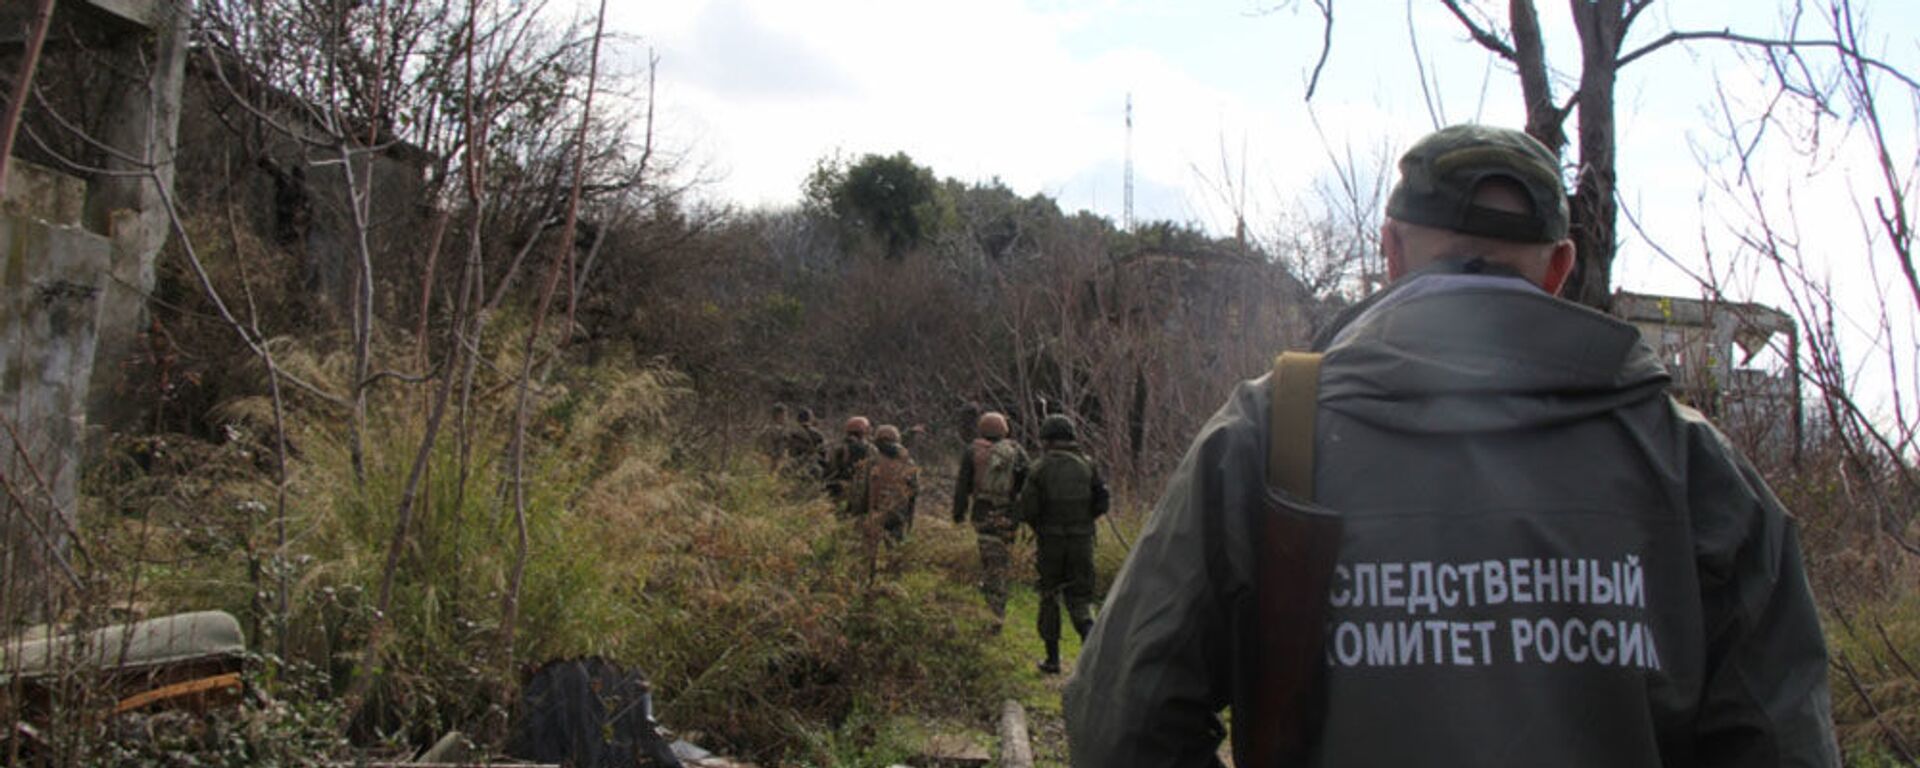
column 35, row 191
column 52, row 278
column 82, row 22
column 953, row 750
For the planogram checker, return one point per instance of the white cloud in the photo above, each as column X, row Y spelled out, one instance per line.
column 1032, row 92
column 986, row 89
column 736, row 54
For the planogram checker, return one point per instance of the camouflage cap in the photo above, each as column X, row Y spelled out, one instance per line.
column 1439, row 175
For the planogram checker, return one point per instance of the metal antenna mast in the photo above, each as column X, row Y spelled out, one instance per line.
column 1126, row 217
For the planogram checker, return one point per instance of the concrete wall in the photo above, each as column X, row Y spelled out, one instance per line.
column 76, row 267
column 53, row 276
column 129, row 207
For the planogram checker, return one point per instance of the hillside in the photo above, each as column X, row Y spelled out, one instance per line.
column 418, row 355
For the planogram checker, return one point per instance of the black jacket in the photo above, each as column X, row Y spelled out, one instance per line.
column 1546, row 561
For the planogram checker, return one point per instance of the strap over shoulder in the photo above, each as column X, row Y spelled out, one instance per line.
column 1296, row 394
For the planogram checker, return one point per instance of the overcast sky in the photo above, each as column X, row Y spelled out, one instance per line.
column 1033, row 92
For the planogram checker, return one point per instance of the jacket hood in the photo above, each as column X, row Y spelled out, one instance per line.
column 1439, row 353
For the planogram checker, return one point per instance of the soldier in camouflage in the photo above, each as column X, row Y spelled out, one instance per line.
column 846, row 457
column 886, row 488
column 1062, row 497
column 773, row 438
column 990, row 474
column 806, row 448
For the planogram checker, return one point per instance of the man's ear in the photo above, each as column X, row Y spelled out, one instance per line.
column 1559, row 267
column 1392, row 247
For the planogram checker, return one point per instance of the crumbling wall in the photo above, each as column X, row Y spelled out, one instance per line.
column 51, row 292
column 126, row 202
column 78, row 257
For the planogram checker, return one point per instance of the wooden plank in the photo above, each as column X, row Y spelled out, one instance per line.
column 204, row 686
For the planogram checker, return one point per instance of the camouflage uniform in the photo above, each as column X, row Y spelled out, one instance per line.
column 842, row 462
column 992, row 513
column 804, row 449
column 885, row 490
column 773, row 438
column 1062, row 497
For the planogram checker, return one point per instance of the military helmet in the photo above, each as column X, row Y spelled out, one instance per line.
column 805, row 416
column 887, row 433
column 858, row 425
column 1056, row 427
column 992, row 424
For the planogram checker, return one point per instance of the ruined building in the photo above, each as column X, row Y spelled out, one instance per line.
column 1711, row 348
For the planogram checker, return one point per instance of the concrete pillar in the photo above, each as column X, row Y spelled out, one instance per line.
column 128, row 209
column 76, row 265
column 52, row 276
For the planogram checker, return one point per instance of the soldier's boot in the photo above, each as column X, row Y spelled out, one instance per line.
column 1050, row 629
column 1051, row 666
column 1084, row 627
column 996, row 605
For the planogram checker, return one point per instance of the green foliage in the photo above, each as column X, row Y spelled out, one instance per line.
column 864, row 738
column 1864, row 582
column 999, row 222
column 1173, row 237
column 769, row 627
column 762, row 619
column 1876, row 677
column 288, row 721
column 886, row 197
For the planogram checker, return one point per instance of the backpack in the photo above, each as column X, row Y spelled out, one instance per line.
column 846, row 459
column 994, row 467
column 890, row 483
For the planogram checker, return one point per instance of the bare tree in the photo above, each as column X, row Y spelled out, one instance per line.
column 562, row 262
column 1847, row 341
column 22, row 85
column 1604, row 27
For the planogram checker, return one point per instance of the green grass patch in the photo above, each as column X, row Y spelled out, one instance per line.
column 1876, row 677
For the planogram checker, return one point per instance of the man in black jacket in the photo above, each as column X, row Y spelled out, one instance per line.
column 1545, row 559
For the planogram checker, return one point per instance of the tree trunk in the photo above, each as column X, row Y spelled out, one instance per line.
column 1544, row 119
column 1595, row 210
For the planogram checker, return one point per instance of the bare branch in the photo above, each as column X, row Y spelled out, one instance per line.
column 563, row 254
column 1899, row 744
column 1481, row 35
column 1434, row 109
column 1846, row 50
column 1326, row 47
column 22, row 511
column 22, row 85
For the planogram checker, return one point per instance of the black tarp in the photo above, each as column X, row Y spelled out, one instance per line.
column 589, row 713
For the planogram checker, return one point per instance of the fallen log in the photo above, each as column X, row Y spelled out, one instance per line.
column 1015, row 749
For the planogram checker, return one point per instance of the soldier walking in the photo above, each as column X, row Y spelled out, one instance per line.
column 886, row 488
column 846, row 457
column 1062, row 497
column 990, row 474
column 805, row 447
column 773, row 438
